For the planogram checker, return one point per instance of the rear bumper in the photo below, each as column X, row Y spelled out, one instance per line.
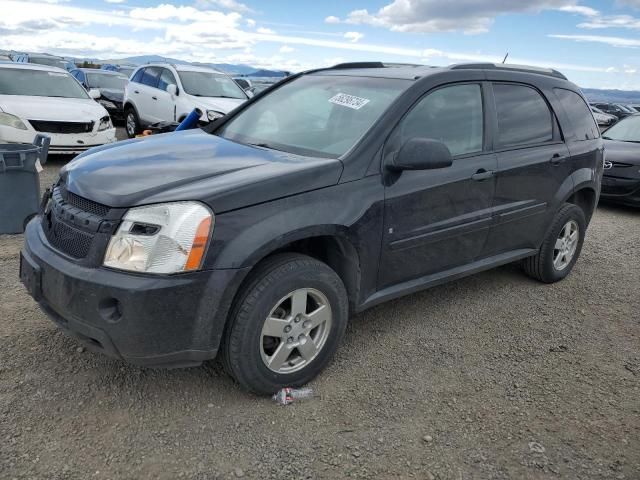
column 156, row 321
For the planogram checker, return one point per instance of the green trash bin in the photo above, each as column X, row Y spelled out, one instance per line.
column 20, row 182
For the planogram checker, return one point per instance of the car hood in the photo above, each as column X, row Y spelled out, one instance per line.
column 193, row 165
column 112, row 94
column 622, row 152
column 52, row 108
column 222, row 105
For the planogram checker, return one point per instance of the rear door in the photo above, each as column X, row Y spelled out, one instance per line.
column 435, row 220
column 163, row 104
column 533, row 162
column 147, row 94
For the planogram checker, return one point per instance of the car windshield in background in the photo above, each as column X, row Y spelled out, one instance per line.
column 208, row 84
column 39, row 83
column 50, row 62
column 105, row 80
column 315, row 114
column 627, row 130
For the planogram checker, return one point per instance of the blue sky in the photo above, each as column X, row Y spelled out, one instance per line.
column 595, row 43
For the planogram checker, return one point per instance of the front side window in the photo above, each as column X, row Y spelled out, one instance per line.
column 138, row 76
column 210, row 84
column 39, row 83
column 318, row 115
column 452, row 115
column 584, row 126
column 166, row 79
column 524, row 117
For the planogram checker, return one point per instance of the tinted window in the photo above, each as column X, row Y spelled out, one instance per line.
column 151, row 76
column 584, row 127
column 38, row 83
column 523, row 116
column 452, row 115
column 138, row 76
column 166, row 78
column 210, row 84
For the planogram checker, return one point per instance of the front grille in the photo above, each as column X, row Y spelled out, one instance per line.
column 71, row 222
column 61, row 127
column 85, row 205
column 67, row 239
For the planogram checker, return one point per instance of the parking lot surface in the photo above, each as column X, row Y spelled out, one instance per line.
column 493, row 376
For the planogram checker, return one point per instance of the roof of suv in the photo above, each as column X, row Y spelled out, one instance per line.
column 180, row 67
column 32, row 66
column 413, row 72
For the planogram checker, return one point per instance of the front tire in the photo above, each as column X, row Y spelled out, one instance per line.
column 561, row 247
column 286, row 324
column 131, row 122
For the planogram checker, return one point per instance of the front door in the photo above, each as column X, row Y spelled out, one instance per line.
column 436, row 220
column 163, row 103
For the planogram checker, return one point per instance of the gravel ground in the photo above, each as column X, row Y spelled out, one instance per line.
column 493, row 376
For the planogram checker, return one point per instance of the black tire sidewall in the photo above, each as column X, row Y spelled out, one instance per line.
column 261, row 297
column 567, row 213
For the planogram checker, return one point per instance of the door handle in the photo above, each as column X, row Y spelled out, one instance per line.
column 482, row 174
column 136, row 91
column 155, row 98
column 557, row 159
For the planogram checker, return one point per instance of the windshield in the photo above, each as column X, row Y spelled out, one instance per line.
column 39, row 83
column 627, row 130
column 209, row 84
column 105, row 80
column 315, row 114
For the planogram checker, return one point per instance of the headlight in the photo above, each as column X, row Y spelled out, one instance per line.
column 107, row 104
column 105, row 123
column 11, row 121
column 163, row 238
column 213, row 115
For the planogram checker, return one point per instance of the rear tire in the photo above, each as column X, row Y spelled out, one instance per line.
column 286, row 324
column 560, row 249
column 131, row 122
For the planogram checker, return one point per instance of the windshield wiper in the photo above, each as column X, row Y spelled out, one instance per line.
column 265, row 145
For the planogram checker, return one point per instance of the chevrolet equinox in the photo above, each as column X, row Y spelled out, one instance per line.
column 331, row 192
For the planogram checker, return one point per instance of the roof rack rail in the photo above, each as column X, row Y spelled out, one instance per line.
column 509, row 67
column 346, row 65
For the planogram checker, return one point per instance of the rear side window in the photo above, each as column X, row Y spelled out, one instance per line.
column 138, row 76
column 452, row 115
column 584, row 126
column 524, row 117
column 151, row 76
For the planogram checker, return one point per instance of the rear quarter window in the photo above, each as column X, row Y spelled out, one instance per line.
column 582, row 122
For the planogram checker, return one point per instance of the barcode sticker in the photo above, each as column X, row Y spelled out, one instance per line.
column 349, row 101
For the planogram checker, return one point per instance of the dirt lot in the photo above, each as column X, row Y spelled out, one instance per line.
column 494, row 376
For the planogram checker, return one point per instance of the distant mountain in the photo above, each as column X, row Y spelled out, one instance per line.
column 142, row 59
column 268, row 73
column 614, row 96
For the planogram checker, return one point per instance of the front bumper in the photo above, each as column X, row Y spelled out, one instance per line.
column 621, row 190
column 148, row 320
column 61, row 143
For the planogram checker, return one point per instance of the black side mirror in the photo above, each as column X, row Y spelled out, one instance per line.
column 421, row 154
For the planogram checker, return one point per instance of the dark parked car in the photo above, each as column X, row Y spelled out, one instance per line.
column 617, row 109
column 621, row 180
column 110, row 84
column 337, row 190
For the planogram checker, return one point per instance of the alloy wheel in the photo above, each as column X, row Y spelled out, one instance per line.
column 566, row 245
column 295, row 331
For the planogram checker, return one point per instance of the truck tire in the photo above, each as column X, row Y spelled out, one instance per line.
column 286, row 324
column 561, row 247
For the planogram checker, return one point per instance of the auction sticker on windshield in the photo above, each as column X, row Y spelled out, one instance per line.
column 350, row 101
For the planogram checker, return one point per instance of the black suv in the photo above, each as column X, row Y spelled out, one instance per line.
column 334, row 191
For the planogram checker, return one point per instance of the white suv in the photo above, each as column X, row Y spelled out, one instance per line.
column 168, row 93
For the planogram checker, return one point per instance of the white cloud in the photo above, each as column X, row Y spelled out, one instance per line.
column 612, row 21
column 250, row 22
column 232, row 5
column 612, row 41
column 469, row 16
column 265, row 31
column 580, row 10
column 115, row 1
column 286, row 49
column 332, row 19
column 353, row 36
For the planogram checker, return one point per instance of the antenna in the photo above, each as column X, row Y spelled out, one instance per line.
column 505, row 57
